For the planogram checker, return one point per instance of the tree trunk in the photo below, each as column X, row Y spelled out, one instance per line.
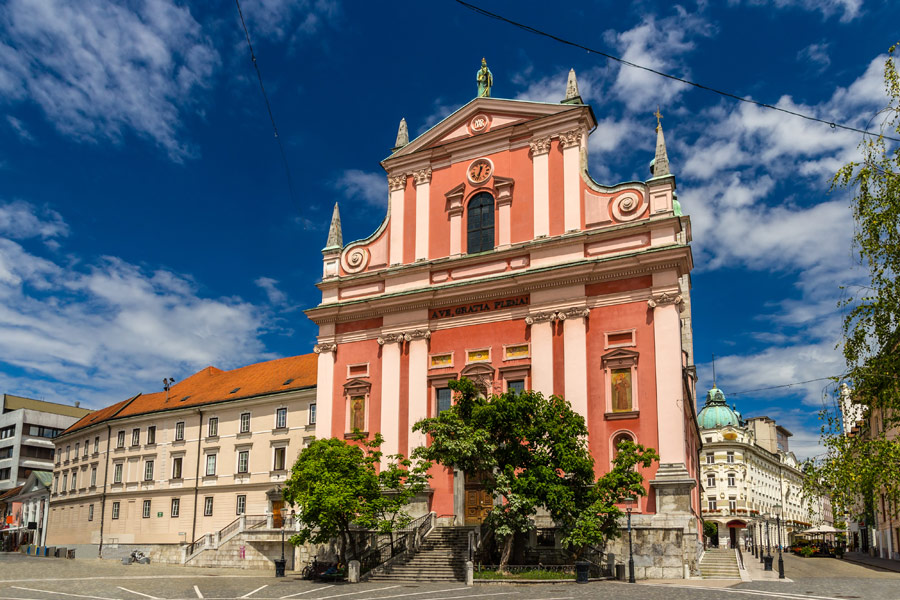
column 507, row 550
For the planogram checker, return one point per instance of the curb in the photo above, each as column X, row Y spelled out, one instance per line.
column 534, row 581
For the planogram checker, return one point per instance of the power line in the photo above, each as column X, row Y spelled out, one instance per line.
column 628, row 63
column 284, row 160
column 775, row 387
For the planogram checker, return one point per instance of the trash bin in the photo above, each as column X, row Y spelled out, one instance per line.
column 767, row 561
column 60, row 553
column 620, row 572
column 582, row 571
column 144, row 561
column 126, row 560
column 279, row 567
column 71, row 553
column 50, row 551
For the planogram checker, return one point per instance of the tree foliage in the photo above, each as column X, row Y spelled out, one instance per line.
column 856, row 468
column 531, row 452
column 336, row 485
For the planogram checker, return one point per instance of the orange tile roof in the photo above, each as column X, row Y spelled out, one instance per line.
column 10, row 493
column 211, row 385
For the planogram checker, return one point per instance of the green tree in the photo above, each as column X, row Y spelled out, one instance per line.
column 336, row 485
column 531, row 452
column 710, row 530
column 856, row 467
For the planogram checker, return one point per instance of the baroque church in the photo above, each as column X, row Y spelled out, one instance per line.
column 502, row 260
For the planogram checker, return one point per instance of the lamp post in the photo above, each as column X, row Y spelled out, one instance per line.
column 778, row 525
column 279, row 564
column 762, row 538
column 628, row 502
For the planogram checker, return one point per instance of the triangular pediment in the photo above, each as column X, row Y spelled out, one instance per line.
column 481, row 116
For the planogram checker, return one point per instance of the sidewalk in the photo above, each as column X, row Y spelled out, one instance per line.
column 756, row 570
column 869, row 561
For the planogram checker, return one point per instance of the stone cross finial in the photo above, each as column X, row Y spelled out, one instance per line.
column 658, row 116
column 660, row 164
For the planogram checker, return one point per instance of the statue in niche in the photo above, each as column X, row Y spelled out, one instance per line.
column 485, row 80
column 621, row 390
column 358, row 413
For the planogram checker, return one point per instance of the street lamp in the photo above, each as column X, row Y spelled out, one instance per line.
column 628, row 502
column 778, row 525
column 762, row 538
column 279, row 564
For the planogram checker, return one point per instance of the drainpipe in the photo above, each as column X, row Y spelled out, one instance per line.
column 103, row 494
column 197, row 477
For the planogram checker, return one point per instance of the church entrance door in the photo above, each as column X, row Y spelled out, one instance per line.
column 478, row 504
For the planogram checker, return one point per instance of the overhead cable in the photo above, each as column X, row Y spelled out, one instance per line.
column 287, row 170
column 628, row 63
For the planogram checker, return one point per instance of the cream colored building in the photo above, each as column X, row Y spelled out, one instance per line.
column 748, row 473
column 161, row 470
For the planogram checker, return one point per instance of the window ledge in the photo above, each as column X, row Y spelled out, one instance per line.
column 244, row 435
column 150, row 446
column 614, row 416
column 350, row 435
column 178, row 442
column 176, row 480
column 280, row 430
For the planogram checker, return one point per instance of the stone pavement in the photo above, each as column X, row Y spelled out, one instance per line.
column 755, row 570
column 872, row 561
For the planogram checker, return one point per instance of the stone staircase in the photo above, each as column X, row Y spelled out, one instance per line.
column 719, row 563
column 441, row 558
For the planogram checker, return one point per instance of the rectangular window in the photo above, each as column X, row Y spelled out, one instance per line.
column 516, row 385
column 711, row 503
column 710, row 481
column 312, row 414
column 208, row 506
column 732, row 504
column 241, row 504
column 117, row 473
column 212, row 429
column 444, row 399
column 65, row 479
column 93, row 476
column 245, row 422
column 151, row 434
column 176, row 506
column 710, row 458
column 77, row 447
column 74, row 480
column 55, row 481
column 210, row 464
column 146, row 510
column 280, row 418
column 120, row 440
column 90, row 512
column 243, row 461
column 87, row 443
column 179, row 431
column 7, row 432
column 7, row 453
column 731, row 480
column 135, row 437
column 729, row 457
column 68, row 450
column 97, row 444
column 115, row 510
column 176, row 467
column 279, row 458
column 148, row 470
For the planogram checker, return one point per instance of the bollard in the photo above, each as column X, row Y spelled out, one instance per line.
column 470, row 573
column 353, row 571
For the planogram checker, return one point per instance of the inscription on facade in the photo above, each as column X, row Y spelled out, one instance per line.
column 480, row 307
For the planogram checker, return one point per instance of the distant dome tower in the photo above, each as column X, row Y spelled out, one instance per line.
column 716, row 413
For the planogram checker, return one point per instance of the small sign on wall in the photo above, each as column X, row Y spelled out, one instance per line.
column 159, row 514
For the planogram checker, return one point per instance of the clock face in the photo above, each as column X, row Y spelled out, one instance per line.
column 480, row 170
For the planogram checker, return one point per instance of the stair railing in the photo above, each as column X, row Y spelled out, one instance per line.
column 402, row 542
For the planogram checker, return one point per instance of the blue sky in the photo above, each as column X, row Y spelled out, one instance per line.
column 146, row 229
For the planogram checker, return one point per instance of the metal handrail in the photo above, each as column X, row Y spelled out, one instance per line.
column 401, row 541
column 740, row 556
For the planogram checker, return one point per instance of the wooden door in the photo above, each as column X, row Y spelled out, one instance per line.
column 478, row 504
column 277, row 520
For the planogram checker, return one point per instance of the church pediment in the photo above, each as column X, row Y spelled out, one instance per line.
column 481, row 116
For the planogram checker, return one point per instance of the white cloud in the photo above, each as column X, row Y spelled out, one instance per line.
column 19, row 128
column 658, row 44
column 816, row 56
column 20, row 220
column 279, row 19
column 101, row 330
column 270, row 287
column 848, row 9
column 99, row 70
column 356, row 185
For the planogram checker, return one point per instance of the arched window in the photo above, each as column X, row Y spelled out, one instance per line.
column 480, row 223
column 620, row 437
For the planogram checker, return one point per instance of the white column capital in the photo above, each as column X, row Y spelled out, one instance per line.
column 575, row 312
column 422, row 176
column 397, row 182
column 391, row 338
column 569, row 139
column 539, row 146
column 665, row 299
column 320, row 348
column 541, row 317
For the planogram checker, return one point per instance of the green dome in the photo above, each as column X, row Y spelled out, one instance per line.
column 716, row 412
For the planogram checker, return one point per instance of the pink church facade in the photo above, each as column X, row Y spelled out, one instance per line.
column 500, row 259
